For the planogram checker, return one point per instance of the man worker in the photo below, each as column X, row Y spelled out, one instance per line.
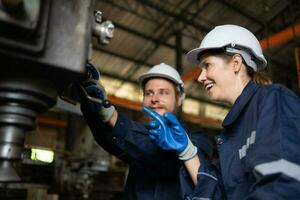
column 153, row 172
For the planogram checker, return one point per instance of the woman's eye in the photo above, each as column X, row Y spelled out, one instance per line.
column 206, row 65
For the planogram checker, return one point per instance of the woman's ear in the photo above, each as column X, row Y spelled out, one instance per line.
column 237, row 62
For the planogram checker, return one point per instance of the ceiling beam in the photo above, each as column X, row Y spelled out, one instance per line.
column 178, row 17
column 146, row 37
column 130, row 9
column 164, row 35
column 240, row 12
column 284, row 6
column 137, row 61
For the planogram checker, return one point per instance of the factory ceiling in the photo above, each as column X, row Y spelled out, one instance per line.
column 150, row 32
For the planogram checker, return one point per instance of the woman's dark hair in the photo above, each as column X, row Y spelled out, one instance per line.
column 260, row 78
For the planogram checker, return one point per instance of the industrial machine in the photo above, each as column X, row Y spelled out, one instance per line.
column 44, row 46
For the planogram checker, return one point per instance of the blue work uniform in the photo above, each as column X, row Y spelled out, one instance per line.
column 153, row 173
column 259, row 149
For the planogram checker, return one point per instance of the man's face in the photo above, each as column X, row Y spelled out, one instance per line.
column 160, row 95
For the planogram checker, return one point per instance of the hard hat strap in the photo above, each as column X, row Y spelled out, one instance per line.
column 246, row 56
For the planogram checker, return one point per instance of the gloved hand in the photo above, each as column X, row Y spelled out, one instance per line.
column 168, row 134
column 95, row 92
column 92, row 72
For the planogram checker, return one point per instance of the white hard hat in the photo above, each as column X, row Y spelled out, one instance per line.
column 234, row 39
column 163, row 70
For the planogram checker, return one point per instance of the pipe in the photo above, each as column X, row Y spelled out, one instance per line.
column 133, row 105
column 52, row 122
column 191, row 74
column 281, row 37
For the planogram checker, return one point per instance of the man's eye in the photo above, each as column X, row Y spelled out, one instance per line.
column 148, row 94
column 164, row 92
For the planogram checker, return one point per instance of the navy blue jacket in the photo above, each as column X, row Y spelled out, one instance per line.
column 153, row 173
column 259, row 149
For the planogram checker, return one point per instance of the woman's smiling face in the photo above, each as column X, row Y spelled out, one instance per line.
column 217, row 76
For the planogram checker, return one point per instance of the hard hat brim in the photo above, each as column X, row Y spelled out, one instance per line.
column 146, row 76
column 192, row 56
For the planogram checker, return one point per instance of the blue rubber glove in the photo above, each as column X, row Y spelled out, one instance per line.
column 168, row 134
column 95, row 92
column 92, row 72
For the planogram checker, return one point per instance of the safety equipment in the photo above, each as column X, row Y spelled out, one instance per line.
column 233, row 39
column 168, row 134
column 92, row 72
column 164, row 71
column 95, row 92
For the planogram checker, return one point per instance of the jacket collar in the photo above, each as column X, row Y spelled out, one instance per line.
column 240, row 103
